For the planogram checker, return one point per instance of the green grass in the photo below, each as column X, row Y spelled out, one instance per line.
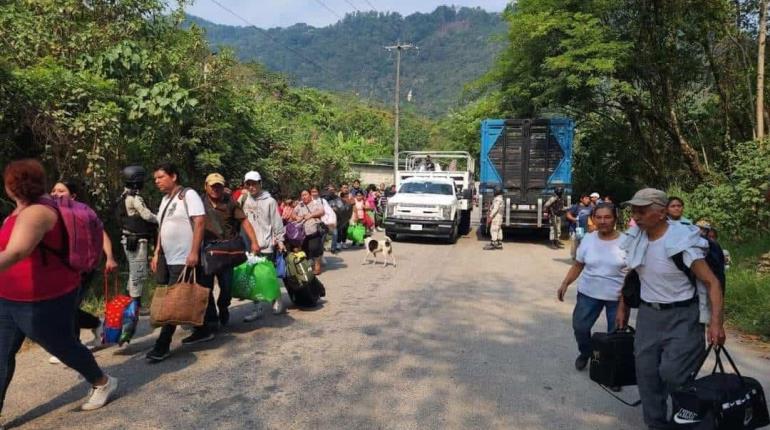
column 747, row 298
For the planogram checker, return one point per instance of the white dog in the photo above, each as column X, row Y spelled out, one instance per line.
column 374, row 246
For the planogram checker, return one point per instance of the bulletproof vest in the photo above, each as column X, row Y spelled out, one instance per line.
column 133, row 224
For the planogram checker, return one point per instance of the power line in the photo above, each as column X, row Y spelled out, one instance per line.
column 352, row 5
column 276, row 41
column 325, row 6
column 370, row 5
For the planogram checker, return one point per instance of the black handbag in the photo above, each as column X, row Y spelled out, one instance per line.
column 720, row 401
column 632, row 290
column 161, row 269
column 612, row 362
column 223, row 254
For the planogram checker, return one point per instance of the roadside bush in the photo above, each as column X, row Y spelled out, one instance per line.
column 735, row 203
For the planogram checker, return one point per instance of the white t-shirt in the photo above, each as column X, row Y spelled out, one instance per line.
column 661, row 281
column 176, row 232
column 604, row 271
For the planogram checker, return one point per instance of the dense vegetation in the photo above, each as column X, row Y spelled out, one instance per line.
column 663, row 94
column 91, row 86
column 457, row 45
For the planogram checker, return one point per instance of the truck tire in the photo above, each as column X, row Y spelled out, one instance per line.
column 465, row 222
column 393, row 236
column 453, row 236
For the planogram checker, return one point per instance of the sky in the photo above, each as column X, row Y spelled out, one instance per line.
column 318, row 13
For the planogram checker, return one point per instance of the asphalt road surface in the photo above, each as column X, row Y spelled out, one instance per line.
column 453, row 338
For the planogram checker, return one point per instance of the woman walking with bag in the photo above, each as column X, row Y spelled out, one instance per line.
column 309, row 213
column 68, row 189
column 599, row 269
column 39, row 290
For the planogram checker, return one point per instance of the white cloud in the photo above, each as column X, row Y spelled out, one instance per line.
column 282, row 13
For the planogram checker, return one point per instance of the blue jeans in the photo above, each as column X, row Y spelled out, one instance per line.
column 49, row 323
column 335, row 235
column 587, row 311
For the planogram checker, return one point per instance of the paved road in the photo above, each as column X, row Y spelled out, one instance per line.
column 452, row 338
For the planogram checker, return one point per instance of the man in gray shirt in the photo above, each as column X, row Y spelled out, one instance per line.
column 669, row 335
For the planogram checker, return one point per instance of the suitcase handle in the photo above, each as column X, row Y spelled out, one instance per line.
column 626, row 329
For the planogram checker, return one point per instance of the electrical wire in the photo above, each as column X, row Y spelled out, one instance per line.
column 274, row 40
column 325, row 6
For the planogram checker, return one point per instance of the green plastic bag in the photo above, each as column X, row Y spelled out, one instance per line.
column 356, row 233
column 256, row 282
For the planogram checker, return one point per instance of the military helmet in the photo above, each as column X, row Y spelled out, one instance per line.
column 134, row 174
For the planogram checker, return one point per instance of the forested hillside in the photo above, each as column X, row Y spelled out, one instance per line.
column 90, row 88
column 456, row 46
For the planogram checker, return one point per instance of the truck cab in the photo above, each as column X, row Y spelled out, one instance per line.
column 432, row 202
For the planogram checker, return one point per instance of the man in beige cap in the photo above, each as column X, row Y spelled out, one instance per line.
column 224, row 222
column 669, row 334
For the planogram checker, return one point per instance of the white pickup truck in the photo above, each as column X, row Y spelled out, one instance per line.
column 432, row 203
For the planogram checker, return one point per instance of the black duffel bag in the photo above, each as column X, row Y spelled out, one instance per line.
column 612, row 362
column 223, row 254
column 720, row 401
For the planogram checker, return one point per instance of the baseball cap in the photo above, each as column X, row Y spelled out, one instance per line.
column 215, row 178
column 252, row 176
column 703, row 224
column 594, row 195
column 648, row 196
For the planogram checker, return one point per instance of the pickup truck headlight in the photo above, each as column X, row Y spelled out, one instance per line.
column 391, row 210
column 446, row 212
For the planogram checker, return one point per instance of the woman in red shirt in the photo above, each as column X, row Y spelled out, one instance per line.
column 37, row 288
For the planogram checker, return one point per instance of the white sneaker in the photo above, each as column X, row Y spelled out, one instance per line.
column 257, row 314
column 97, row 340
column 54, row 360
column 99, row 396
column 278, row 307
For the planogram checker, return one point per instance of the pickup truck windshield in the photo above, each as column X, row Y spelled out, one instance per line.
column 427, row 188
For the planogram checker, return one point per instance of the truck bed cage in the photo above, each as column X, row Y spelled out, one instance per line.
column 446, row 161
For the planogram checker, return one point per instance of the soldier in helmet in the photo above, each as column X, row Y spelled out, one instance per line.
column 555, row 209
column 138, row 225
column 495, row 221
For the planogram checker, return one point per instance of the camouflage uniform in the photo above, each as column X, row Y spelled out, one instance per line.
column 496, row 226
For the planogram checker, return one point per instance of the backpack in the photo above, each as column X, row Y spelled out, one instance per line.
column 298, row 268
column 715, row 258
column 83, row 234
column 329, row 218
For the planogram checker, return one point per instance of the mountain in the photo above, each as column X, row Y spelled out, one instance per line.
column 456, row 46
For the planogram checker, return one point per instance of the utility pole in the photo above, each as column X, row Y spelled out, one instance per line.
column 398, row 47
column 760, row 111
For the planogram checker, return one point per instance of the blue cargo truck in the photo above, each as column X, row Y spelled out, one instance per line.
column 527, row 159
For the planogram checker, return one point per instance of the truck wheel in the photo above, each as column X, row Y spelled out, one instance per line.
column 393, row 236
column 453, row 236
column 465, row 223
